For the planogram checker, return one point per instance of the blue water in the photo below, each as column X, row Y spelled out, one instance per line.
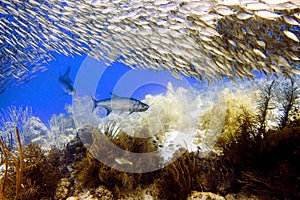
column 46, row 96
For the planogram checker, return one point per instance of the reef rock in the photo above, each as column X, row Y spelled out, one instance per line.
column 205, row 196
column 34, row 131
column 100, row 193
column 242, row 195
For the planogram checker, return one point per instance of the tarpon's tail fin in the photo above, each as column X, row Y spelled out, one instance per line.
column 94, row 103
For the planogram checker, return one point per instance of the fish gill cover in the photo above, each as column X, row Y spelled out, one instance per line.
column 204, row 39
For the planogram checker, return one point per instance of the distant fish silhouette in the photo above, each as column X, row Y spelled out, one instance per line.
column 120, row 103
column 66, row 83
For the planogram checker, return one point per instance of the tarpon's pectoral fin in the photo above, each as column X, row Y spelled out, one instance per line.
column 131, row 112
column 114, row 95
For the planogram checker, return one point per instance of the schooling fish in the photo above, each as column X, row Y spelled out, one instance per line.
column 156, row 34
column 66, row 83
column 120, row 103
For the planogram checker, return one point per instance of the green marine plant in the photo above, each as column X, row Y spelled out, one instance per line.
column 14, row 117
column 214, row 173
column 177, row 179
column 60, row 127
column 174, row 181
column 3, row 180
column 91, row 173
column 242, row 142
column 264, row 159
column 30, row 173
column 32, row 189
column 237, row 149
column 18, row 162
column 278, row 163
column 19, row 165
column 256, row 182
column 264, row 104
column 8, row 141
column 289, row 107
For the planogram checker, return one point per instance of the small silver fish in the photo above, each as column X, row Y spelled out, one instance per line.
column 267, row 14
column 291, row 35
column 160, row 32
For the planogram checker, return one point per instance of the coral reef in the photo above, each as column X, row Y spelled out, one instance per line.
column 275, row 168
column 213, row 174
column 18, row 166
column 91, row 173
column 59, row 131
column 35, row 131
column 264, row 160
column 14, row 117
column 256, row 155
column 173, row 181
column 30, row 172
column 204, row 195
column 100, row 193
column 177, row 179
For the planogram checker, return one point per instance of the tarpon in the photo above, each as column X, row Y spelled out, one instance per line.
column 66, row 83
column 121, row 104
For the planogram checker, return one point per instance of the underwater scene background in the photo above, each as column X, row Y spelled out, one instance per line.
column 149, row 99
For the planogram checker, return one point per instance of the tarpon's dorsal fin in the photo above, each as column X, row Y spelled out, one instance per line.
column 114, row 95
column 67, row 73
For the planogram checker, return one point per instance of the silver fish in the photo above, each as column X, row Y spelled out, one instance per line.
column 121, row 104
column 291, row 35
column 108, row 30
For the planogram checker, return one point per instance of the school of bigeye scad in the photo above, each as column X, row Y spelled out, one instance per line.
column 206, row 39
